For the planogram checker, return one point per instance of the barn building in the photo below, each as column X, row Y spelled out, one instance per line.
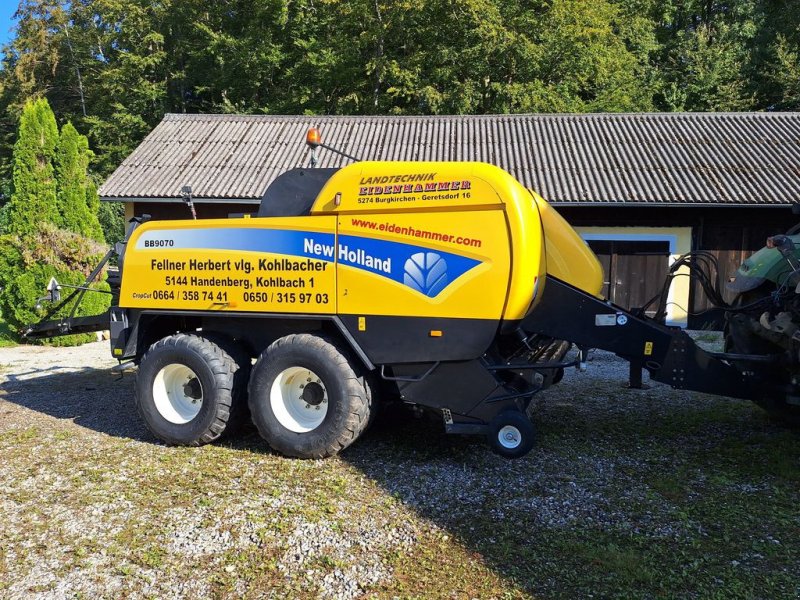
column 641, row 189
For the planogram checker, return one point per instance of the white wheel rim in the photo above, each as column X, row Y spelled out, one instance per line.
column 509, row 437
column 299, row 399
column 178, row 393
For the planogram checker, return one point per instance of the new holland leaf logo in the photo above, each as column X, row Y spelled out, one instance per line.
column 426, row 272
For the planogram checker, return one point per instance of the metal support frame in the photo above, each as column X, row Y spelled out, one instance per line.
column 635, row 375
column 668, row 353
column 534, row 366
column 73, row 324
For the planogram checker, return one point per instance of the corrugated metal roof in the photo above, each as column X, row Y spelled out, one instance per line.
column 650, row 158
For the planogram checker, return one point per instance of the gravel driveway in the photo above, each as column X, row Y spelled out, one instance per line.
column 630, row 493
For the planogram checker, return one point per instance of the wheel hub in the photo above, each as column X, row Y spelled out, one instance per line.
column 192, row 388
column 177, row 393
column 299, row 399
column 509, row 437
column 313, row 393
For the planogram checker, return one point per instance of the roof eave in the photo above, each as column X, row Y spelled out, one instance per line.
column 562, row 204
column 172, row 200
column 555, row 203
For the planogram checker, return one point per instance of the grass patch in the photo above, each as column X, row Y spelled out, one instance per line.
column 674, row 487
column 708, row 337
column 773, row 455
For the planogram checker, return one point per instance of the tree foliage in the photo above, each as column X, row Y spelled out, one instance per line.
column 26, row 268
column 114, row 67
column 33, row 199
column 50, row 227
column 76, row 193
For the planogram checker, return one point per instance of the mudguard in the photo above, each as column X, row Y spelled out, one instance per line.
column 765, row 265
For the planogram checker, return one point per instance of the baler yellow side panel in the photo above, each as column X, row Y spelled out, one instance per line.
column 569, row 258
column 410, row 186
column 415, row 191
column 406, row 239
column 529, row 260
column 278, row 264
column 429, row 264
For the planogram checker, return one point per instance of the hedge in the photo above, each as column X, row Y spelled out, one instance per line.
column 26, row 269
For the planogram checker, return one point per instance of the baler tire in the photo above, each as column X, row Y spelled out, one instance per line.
column 511, row 434
column 240, row 411
column 314, row 423
column 163, row 402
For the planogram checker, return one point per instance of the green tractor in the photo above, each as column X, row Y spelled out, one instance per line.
column 763, row 324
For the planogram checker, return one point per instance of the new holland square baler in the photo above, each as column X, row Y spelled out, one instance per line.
column 445, row 285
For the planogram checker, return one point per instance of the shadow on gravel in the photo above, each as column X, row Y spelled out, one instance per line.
column 91, row 398
column 457, row 483
column 597, row 504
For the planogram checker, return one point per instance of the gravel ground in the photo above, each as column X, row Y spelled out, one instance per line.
column 630, row 493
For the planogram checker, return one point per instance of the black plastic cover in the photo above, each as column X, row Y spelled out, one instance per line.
column 293, row 193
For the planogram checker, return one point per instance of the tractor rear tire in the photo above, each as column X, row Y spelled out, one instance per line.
column 307, row 398
column 183, row 390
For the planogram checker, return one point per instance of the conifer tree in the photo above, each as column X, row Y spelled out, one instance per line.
column 49, row 224
column 33, row 199
column 76, row 194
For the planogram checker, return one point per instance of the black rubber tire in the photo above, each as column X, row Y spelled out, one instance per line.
column 524, row 429
column 348, row 392
column 371, row 387
column 214, row 369
column 240, row 411
column 739, row 339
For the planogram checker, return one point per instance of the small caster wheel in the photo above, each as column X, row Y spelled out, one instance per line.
column 511, row 434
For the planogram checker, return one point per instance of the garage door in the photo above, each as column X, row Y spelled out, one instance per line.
column 634, row 270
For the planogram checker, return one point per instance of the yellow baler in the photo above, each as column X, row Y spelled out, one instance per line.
column 445, row 285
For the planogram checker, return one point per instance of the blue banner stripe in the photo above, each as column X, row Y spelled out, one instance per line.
column 426, row 270
column 406, row 266
column 275, row 241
